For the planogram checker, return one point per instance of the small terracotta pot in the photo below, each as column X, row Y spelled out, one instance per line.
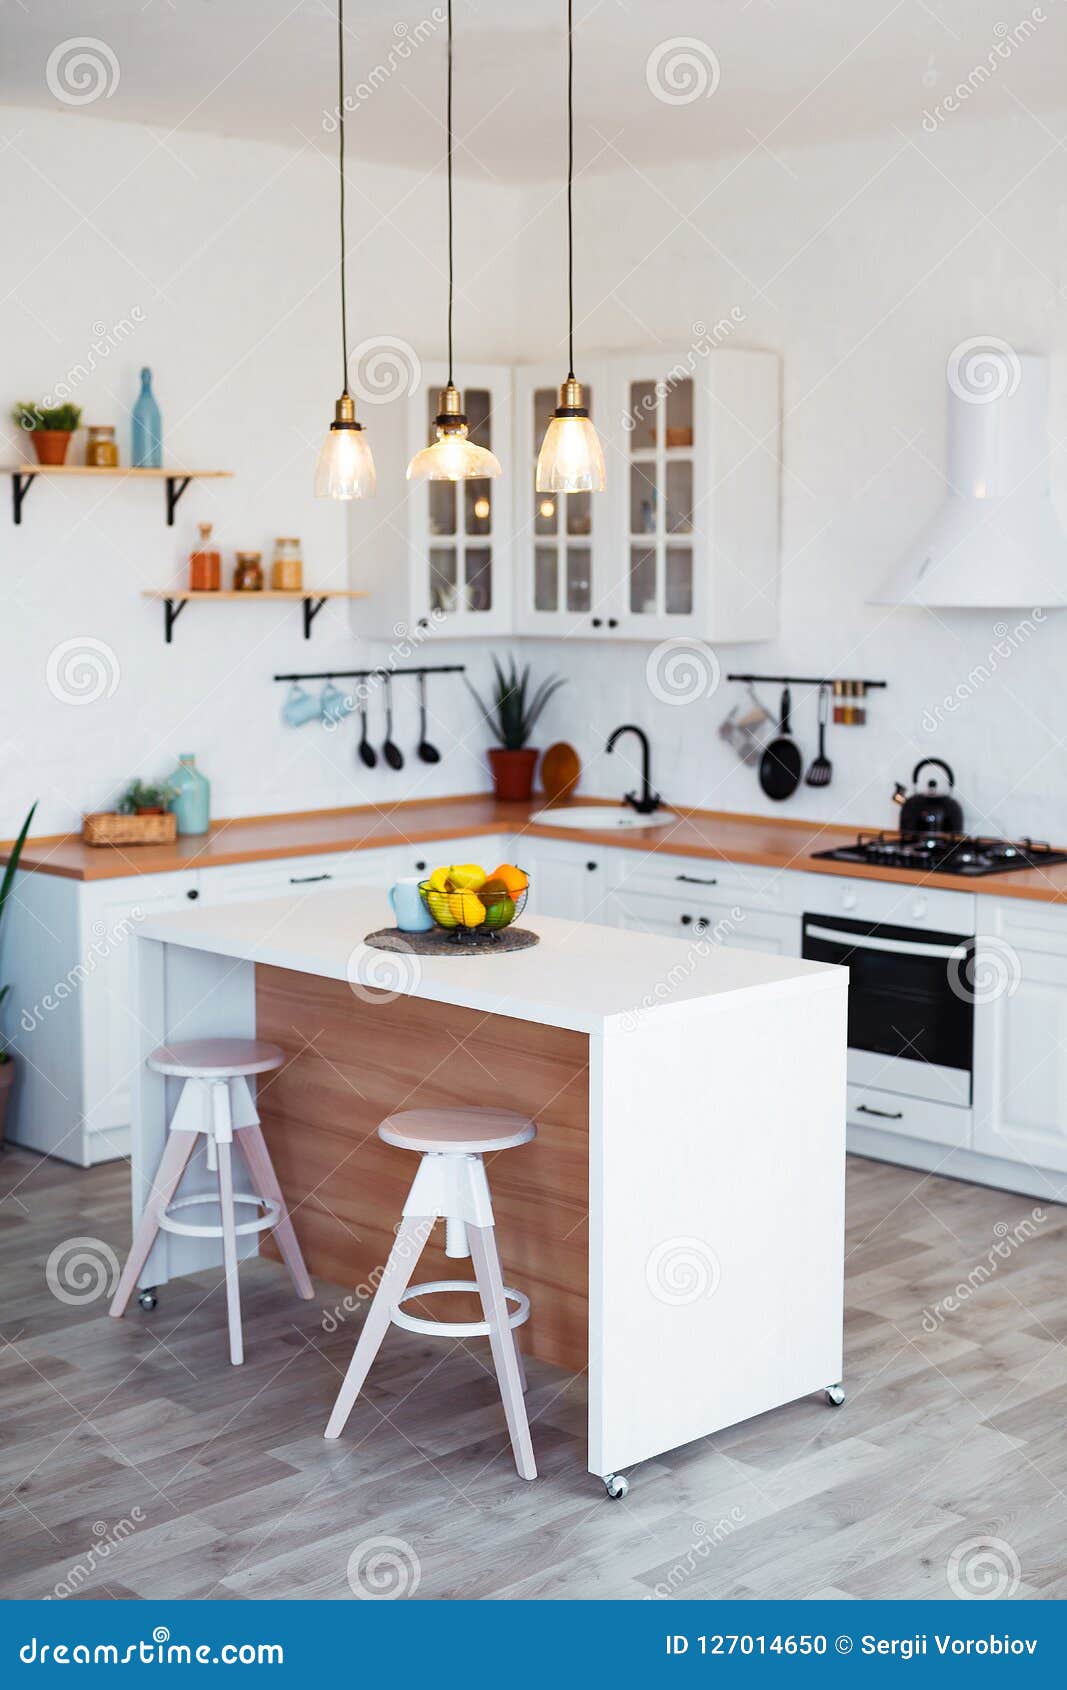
column 513, row 772
column 50, row 444
column 7, row 1080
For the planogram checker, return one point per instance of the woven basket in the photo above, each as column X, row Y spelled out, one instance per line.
column 109, row 828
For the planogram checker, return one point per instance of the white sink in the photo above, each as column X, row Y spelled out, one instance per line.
column 601, row 817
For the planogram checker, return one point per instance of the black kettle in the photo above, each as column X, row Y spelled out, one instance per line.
column 931, row 810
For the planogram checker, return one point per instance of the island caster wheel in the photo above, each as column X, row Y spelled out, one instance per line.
column 147, row 1299
column 835, row 1394
column 616, row 1486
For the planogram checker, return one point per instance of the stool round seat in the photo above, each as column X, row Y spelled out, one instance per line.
column 456, row 1131
column 216, row 1059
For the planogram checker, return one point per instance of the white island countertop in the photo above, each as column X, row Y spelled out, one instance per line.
column 582, row 975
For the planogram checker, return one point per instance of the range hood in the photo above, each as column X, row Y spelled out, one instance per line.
column 996, row 543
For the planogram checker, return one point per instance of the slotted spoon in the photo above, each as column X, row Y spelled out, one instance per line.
column 821, row 768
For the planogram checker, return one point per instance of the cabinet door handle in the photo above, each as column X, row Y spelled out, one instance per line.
column 421, row 864
column 613, row 621
column 696, row 880
column 306, row 879
column 192, row 892
column 592, row 867
column 597, row 621
column 886, row 1114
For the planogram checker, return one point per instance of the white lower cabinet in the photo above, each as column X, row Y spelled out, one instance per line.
column 1020, row 1080
column 565, row 880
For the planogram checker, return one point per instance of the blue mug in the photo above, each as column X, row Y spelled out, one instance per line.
column 300, row 706
column 334, row 705
column 411, row 913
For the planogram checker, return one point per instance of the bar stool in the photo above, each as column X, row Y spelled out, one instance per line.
column 450, row 1183
column 216, row 1101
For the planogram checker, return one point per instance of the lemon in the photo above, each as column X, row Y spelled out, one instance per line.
column 439, row 906
column 466, row 877
column 467, row 909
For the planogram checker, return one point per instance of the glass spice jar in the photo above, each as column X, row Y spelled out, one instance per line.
column 248, row 575
column 101, row 448
column 287, row 570
column 205, row 564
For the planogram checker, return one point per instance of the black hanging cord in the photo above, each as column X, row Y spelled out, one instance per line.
column 450, row 264
column 341, row 168
column 570, row 181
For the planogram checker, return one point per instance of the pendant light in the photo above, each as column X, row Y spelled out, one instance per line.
column 345, row 469
column 571, row 459
column 452, row 456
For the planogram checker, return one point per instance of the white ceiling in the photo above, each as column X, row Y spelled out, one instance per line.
column 789, row 71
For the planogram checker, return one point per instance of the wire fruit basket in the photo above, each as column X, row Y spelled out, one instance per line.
column 466, row 915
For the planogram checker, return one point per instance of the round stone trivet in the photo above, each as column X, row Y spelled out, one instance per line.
column 440, row 942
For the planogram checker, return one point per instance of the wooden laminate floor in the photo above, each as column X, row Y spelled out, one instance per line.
column 136, row 1463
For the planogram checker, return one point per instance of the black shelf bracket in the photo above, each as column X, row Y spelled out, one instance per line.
column 311, row 610
column 175, row 486
column 20, row 486
column 172, row 609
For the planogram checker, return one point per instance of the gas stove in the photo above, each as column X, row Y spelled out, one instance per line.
column 944, row 853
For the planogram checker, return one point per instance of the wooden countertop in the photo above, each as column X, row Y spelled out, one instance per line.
column 768, row 840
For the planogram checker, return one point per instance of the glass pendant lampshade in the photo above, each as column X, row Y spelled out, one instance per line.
column 453, row 456
column 345, row 469
column 571, row 459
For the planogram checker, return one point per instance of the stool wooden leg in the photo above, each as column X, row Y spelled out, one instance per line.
column 265, row 1182
column 176, row 1153
column 502, row 1343
column 403, row 1259
column 229, row 1254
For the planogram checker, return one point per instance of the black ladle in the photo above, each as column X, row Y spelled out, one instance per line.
column 366, row 749
column 427, row 752
column 391, row 751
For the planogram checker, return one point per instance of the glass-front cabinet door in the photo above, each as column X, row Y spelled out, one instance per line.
column 460, row 529
column 663, row 451
column 564, row 583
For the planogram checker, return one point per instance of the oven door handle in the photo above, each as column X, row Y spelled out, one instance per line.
column 897, row 947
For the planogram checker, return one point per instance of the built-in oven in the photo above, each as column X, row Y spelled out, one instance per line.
column 910, row 1004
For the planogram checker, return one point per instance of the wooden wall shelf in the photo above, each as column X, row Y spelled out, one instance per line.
column 175, row 601
column 176, row 480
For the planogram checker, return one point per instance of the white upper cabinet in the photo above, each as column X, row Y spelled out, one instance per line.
column 685, row 538
column 566, row 579
column 436, row 553
column 683, row 541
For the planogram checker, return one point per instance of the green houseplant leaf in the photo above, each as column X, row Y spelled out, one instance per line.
column 512, row 713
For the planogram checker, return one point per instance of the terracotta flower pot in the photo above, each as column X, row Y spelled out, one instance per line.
column 50, row 444
column 513, row 772
column 7, row 1080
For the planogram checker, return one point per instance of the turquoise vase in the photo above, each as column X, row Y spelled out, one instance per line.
column 192, row 797
column 147, row 427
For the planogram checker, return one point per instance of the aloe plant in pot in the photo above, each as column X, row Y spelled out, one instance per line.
column 512, row 715
column 7, row 1061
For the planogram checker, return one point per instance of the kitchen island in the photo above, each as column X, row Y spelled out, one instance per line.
column 678, row 1223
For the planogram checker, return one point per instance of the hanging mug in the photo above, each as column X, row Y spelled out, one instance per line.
column 300, row 706
column 334, row 705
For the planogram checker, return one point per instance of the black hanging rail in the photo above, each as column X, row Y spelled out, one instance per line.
column 807, row 681
column 374, row 674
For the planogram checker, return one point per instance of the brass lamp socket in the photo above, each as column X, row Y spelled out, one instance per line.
column 571, row 399
column 344, row 413
column 450, row 418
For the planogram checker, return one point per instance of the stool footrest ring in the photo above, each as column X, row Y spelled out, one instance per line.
column 455, row 1328
column 190, row 1229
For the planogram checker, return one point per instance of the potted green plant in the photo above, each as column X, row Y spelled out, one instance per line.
column 50, row 428
column 7, row 1061
column 145, row 798
column 513, row 715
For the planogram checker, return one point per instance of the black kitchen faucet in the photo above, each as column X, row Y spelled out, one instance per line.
column 649, row 800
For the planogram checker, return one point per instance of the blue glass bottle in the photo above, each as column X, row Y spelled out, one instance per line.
column 192, row 796
column 147, row 427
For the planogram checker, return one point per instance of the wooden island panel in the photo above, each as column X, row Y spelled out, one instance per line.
column 356, row 1056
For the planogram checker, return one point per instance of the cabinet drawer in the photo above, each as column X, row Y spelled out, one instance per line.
column 910, row 1117
column 878, row 900
column 686, row 878
column 699, row 918
column 299, row 874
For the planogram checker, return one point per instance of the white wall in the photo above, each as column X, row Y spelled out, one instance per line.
column 862, row 264
column 220, row 258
